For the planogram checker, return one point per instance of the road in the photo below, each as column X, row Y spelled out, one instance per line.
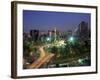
column 44, row 57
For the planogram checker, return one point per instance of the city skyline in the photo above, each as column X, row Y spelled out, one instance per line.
column 65, row 42
column 47, row 20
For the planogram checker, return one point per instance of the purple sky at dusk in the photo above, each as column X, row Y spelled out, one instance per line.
column 47, row 20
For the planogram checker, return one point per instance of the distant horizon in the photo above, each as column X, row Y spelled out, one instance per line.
column 47, row 20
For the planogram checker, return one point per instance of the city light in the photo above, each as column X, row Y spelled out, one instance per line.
column 61, row 42
column 71, row 38
column 48, row 39
column 80, row 61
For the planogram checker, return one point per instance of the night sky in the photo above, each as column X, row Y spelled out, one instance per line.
column 47, row 20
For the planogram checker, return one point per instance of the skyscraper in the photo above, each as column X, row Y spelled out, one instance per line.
column 82, row 31
column 35, row 35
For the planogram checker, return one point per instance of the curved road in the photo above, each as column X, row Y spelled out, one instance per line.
column 44, row 57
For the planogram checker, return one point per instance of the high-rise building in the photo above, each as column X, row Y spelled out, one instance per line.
column 50, row 33
column 82, row 32
column 35, row 35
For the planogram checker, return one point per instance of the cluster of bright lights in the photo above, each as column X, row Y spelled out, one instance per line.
column 61, row 42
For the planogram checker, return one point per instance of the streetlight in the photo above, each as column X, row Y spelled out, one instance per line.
column 48, row 39
column 71, row 39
